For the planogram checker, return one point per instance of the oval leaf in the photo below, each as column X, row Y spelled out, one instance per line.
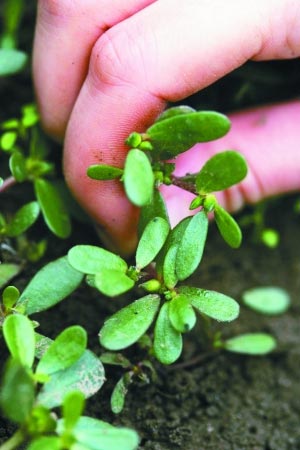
column 19, row 335
column 167, row 343
column 104, row 172
column 23, row 219
column 17, row 165
column 177, row 134
column 112, row 282
column 45, row 443
column 17, row 392
column 151, row 241
column 228, row 227
column 53, row 209
column 221, row 171
column 117, row 400
column 169, row 263
column 110, row 438
column 10, row 296
column 90, row 259
column 175, row 111
column 7, row 272
column 213, row 304
column 138, row 178
column 50, row 285
column 267, row 299
column 86, row 375
column 67, row 348
column 126, row 326
column 251, row 344
column 73, row 406
column 181, row 314
column 191, row 247
column 11, row 61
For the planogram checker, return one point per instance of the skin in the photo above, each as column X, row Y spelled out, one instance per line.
column 103, row 69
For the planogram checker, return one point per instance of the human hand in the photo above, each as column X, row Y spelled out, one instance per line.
column 96, row 86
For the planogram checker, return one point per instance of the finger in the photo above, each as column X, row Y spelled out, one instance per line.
column 139, row 64
column 65, row 34
column 268, row 137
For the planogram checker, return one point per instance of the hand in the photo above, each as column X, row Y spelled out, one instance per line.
column 103, row 69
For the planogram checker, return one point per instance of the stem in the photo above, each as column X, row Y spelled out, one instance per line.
column 14, row 441
column 183, row 183
column 7, row 183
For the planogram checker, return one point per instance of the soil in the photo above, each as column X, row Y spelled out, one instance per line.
column 208, row 400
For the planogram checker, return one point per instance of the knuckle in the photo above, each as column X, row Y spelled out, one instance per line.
column 59, row 8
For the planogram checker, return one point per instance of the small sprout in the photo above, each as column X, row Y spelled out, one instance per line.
column 116, row 359
column 269, row 300
column 127, row 325
column 220, row 172
column 146, row 146
column 228, row 227
column 151, row 241
column 270, row 237
column 213, row 304
column 209, row 203
column 30, row 116
column 151, row 286
column 117, row 400
column 196, row 203
column 104, row 172
column 251, row 344
column 138, row 178
column 167, row 341
column 8, row 140
column 181, row 314
column 134, row 140
column 10, row 297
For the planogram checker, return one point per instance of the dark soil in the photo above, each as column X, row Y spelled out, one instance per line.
column 218, row 401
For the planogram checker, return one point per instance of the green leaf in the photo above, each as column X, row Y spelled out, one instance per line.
column 175, row 111
column 112, row 282
column 10, row 297
column 8, row 140
column 213, row 304
column 17, row 165
column 175, row 135
column 104, row 172
column 45, row 443
column 19, row 335
column 169, row 263
column 181, row 314
column 138, row 178
column 156, row 208
column 66, row 350
column 167, row 343
column 7, row 272
column 72, row 408
column 267, row 300
column 221, row 171
column 53, row 209
column 126, row 326
column 117, row 400
column 86, row 375
column 30, row 116
column 17, row 392
column 251, row 344
column 116, row 359
column 50, row 285
column 11, row 61
column 228, row 227
column 151, row 241
column 191, row 246
column 90, row 259
column 23, row 219
column 96, row 435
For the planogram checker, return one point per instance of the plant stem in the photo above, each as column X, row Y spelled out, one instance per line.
column 7, row 183
column 184, row 183
column 14, row 441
